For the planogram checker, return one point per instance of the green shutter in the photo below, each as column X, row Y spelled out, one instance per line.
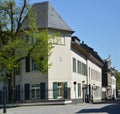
column 78, row 66
column 85, row 70
column 1, row 97
column 27, row 64
column 55, row 91
column 79, row 89
column 42, row 90
column 18, row 92
column 65, row 91
column 82, row 69
column 27, row 91
column 74, row 64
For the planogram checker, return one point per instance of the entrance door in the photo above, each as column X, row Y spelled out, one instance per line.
column 35, row 94
column 84, row 94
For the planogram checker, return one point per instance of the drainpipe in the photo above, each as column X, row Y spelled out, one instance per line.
column 87, row 81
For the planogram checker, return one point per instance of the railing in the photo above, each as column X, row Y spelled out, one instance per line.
column 19, row 95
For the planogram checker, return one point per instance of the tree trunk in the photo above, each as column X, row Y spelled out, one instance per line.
column 11, row 88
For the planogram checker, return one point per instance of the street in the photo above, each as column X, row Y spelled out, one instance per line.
column 103, row 108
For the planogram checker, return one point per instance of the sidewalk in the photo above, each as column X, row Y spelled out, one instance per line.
column 55, row 102
column 108, row 101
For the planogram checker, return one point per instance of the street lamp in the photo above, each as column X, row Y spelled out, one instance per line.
column 74, row 83
column 4, row 92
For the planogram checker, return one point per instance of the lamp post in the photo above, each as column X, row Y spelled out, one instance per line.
column 74, row 83
column 4, row 92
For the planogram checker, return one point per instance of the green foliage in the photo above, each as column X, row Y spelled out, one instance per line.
column 117, row 74
column 16, row 43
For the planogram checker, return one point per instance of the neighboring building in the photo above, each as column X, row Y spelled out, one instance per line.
column 113, row 85
column 108, row 81
column 94, row 79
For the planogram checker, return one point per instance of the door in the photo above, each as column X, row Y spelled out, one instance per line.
column 84, row 94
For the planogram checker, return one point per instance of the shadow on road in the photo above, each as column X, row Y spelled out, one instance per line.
column 113, row 108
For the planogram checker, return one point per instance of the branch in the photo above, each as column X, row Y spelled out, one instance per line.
column 11, row 16
column 2, row 37
column 20, row 17
column 27, row 53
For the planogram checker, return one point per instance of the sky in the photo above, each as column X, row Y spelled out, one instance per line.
column 96, row 22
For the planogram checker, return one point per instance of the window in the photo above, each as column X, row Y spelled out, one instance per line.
column 60, row 90
column 84, row 69
column 35, row 67
column 74, row 65
column 35, row 92
column 78, row 67
column 17, row 70
column 89, row 72
column 98, row 91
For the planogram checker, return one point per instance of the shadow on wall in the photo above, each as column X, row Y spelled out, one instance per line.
column 113, row 108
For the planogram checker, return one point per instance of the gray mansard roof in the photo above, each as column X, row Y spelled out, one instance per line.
column 47, row 17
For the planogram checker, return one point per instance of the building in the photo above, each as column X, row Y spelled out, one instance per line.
column 108, row 80
column 113, row 85
column 76, row 71
column 94, row 75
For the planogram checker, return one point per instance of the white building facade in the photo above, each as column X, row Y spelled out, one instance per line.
column 75, row 74
column 113, row 85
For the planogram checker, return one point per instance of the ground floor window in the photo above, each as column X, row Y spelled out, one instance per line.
column 60, row 90
column 98, row 91
column 35, row 91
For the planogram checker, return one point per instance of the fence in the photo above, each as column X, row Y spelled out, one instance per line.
column 35, row 95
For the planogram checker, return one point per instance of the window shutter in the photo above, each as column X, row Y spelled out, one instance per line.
column 55, row 91
column 18, row 92
column 42, row 90
column 27, row 64
column 79, row 89
column 65, row 90
column 27, row 91
column 1, row 97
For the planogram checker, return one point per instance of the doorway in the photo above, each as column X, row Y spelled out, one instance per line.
column 84, row 91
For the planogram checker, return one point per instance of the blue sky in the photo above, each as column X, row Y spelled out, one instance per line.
column 96, row 22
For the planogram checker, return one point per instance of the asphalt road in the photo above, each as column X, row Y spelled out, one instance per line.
column 102, row 108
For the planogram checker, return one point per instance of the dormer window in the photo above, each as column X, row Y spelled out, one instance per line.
column 76, row 40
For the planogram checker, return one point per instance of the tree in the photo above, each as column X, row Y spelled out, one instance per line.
column 17, row 43
column 117, row 74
